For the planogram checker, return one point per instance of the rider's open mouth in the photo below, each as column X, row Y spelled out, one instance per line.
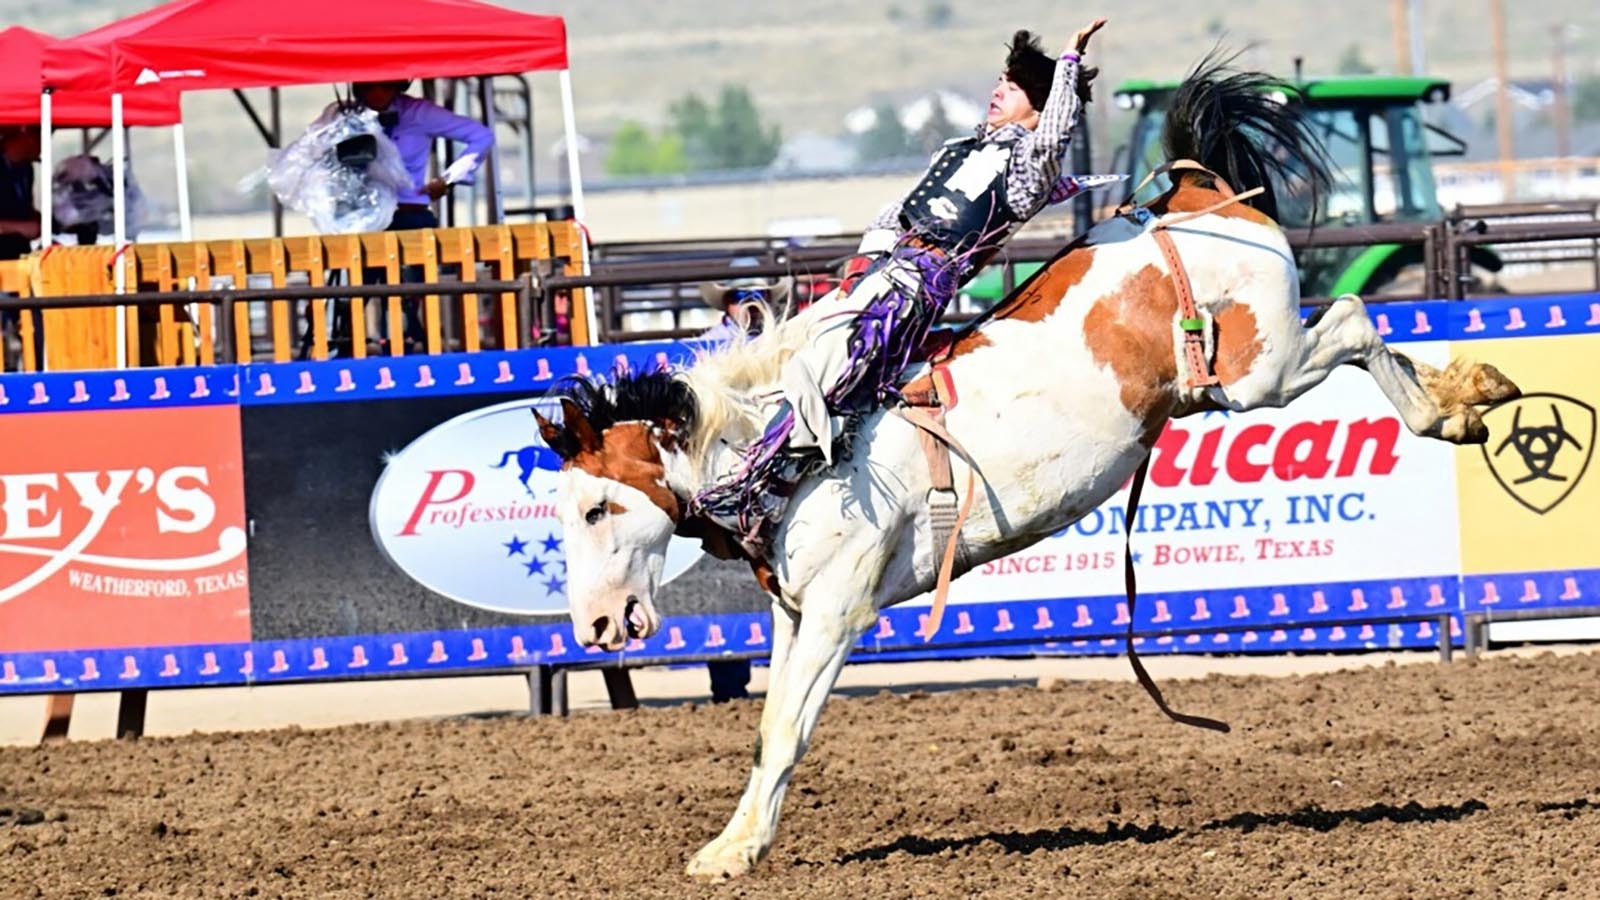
column 633, row 615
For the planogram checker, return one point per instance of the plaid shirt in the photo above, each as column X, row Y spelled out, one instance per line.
column 1036, row 157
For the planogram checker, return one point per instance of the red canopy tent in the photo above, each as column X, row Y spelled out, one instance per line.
column 210, row 44
column 22, row 50
column 187, row 45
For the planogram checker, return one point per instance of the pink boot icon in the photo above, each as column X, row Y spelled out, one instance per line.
column 662, row 363
column 756, row 638
column 1436, row 595
column 924, row 627
column 478, row 654
column 1474, row 321
column 505, row 373
column 464, row 375
column 1201, row 611
column 1491, row 594
column 885, row 630
column 1571, row 589
column 1241, row 610
column 398, row 655
column 714, row 636
column 622, row 365
column 1516, row 322
column 161, row 392
column 265, row 389
column 1307, row 635
column 347, row 382
column 50, row 673
column 438, row 655
column 1084, row 620
column 675, row 639
column 319, row 659
column 1422, row 326
column 210, row 666
column 248, row 666
column 1358, row 600
column 1280, row 606
column 1558, row 319
column 543, row 373
column 4, row 400
column 201, row 389
column 583, row 365
column 1530, row 592
column 1004, row 622
column 558, row 647
column 1319, row 603
column 358, row 657
column 1594, row 314
column 80, row 393
column 425, row 377
column 130, row 669
column 1384, row 329
column 1278, row 637
column 385, row 378
column 91, row 670
column 39, row 395
column 1366, row 633
column 280, row 662
column 119, row 391
column 519, row 649
column 1043, row 622
column 8, row 673
column 1122, row 615
column 1337, row 633
column 1397, row 598
column 1162, row 614
column 307, row 385
column 964, row 623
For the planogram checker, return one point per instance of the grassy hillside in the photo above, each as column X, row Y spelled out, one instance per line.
column 807, row 62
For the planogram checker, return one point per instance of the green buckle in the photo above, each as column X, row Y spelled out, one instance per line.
column 1192, row 325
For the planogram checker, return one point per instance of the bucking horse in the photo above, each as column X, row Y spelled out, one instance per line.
column 1055, row 401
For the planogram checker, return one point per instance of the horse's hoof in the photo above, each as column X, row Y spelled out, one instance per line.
column 1493, row 386
column 722, row 863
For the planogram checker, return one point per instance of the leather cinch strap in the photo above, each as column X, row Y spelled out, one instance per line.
column 945, row 517
column 1190, row 321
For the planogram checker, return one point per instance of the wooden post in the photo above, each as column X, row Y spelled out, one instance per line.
column 1502, row 103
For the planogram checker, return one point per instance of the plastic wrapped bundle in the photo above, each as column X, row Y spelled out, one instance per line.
column 83, row 198
column 344, row 173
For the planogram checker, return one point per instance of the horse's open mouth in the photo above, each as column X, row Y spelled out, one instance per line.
column 633, row 616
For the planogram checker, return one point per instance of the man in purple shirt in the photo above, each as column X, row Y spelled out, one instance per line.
column 414, row 124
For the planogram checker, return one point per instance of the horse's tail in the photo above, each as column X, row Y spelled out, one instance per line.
column 1236, row 124
column 506, row 458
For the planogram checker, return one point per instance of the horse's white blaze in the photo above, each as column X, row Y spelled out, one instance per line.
column 613, row 561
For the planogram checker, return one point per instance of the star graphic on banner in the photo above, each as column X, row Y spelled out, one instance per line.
column 551, row 544
column 555, row 585
column 534, row 567
column 516, row 546
column 1137, row 556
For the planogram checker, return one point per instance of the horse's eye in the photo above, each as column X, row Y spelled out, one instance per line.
column 594, row 516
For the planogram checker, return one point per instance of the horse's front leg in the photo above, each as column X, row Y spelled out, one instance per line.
column 797, row 687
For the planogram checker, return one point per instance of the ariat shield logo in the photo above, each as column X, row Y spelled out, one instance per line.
column 1540, row 447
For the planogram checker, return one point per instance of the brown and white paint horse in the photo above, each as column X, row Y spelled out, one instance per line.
column 1062, row 394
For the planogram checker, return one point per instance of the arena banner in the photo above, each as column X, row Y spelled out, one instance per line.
column 1530, row 498
column 121, row 512
column 400, row 522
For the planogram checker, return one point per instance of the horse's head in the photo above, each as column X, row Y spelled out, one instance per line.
column 620, row 496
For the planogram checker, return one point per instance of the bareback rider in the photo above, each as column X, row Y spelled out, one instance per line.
column 978, row 191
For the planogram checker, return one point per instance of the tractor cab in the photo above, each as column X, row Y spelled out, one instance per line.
column 1373, row 130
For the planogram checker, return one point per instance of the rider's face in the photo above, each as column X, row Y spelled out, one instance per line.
column 1008, row 103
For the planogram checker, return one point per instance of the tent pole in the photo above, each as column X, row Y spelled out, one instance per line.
column 180, row 153
column 119, row 221
column 570, row 123
column 276, row 113
column 491, row 166
column 47, row 165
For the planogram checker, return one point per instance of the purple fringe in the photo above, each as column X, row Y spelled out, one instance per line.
column 884, row 339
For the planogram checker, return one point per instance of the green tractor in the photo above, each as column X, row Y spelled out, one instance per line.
column 1373, row 129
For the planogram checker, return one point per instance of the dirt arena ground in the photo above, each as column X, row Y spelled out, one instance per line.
column 1469, row 780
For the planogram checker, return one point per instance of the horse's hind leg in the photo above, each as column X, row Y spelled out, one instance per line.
column 795, row 696
column 1431, row 403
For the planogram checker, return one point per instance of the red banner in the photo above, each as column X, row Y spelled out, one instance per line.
column 122, row 528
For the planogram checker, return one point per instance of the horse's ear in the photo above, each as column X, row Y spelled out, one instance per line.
column 550, row 431
column 578, row 426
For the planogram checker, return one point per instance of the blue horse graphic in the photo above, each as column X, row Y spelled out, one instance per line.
column 528, row 459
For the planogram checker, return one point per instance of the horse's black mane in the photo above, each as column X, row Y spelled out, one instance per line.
column 652, row 396
column 1229, row 122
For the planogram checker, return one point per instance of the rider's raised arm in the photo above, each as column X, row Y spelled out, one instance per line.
column 1036, row 164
